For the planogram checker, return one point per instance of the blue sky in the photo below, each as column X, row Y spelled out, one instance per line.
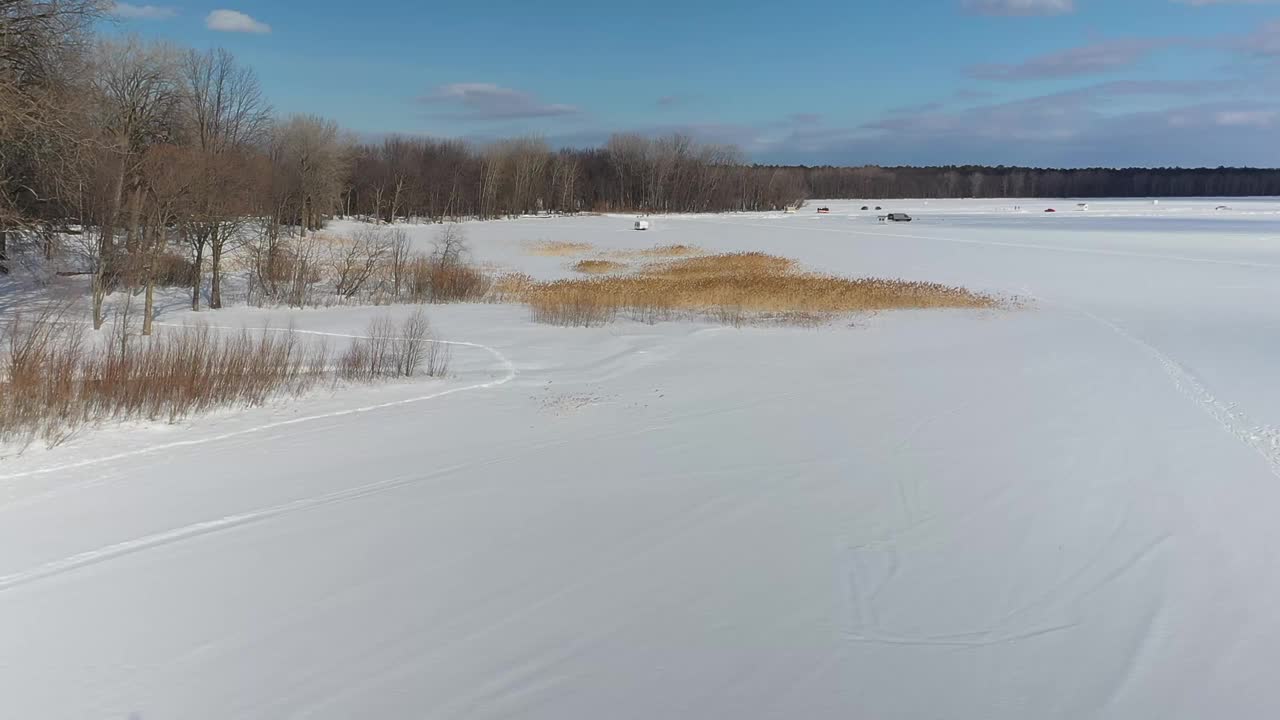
column 1039, row 82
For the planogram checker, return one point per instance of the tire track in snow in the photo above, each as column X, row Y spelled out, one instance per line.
column 509, row 374
column 1262, row 439
column 127, row 547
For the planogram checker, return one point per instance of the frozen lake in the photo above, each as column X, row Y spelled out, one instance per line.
column 1066, row 510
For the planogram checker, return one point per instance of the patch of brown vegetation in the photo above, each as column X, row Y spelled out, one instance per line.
column 736, row 289
column 556, row 248
column 599, row 267
column 660, row 251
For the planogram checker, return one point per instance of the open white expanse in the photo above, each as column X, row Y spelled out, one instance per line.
column 1070, row 510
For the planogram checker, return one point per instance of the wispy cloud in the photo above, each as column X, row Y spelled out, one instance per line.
column 666, row 102
column 128, row 11
column 1264, row 41
column 1101, row 57
column 1019, row 8
column 487, row 101
column 235, row 21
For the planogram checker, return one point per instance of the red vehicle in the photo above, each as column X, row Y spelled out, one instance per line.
column 1051, row 210
column 823, row 211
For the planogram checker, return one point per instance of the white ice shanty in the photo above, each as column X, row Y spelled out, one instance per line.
column 642, row 225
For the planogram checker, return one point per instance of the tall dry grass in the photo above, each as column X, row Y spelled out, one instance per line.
column 598, row 267
column 736, row 289
column 558, row 248
column 55, row 379
column 660, row 251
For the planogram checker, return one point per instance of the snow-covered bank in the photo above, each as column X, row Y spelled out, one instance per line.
column 1061, row 512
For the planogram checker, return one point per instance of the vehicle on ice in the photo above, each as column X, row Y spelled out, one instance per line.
column 898, row 217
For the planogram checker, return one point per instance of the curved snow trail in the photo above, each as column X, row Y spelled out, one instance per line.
column 509, row 374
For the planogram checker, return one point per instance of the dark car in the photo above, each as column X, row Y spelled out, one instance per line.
column 864, row 207
column 899, row 217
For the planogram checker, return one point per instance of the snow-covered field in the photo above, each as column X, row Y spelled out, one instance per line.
column 1070, row 510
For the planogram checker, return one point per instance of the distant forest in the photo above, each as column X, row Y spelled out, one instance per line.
column 998, row 182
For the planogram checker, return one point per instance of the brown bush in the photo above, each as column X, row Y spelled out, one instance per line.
column 173, row 270
column 436, row 280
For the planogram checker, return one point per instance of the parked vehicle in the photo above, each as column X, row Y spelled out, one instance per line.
column 898, row 217
column 879, row 208
column 864, row 207
column 823, row 211
column 1050, row 210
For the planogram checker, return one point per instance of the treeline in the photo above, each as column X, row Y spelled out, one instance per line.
column 1000, row 182
column 425, row 178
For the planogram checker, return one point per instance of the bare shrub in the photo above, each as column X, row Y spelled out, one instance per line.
column 353, row 262
column 388, row 350
column 397, row 259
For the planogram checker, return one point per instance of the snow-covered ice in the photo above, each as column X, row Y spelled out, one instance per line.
column 1067, row 510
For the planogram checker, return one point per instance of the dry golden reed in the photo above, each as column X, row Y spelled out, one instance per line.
column 556, row 248
column 734, row 288
column 660, row 251
column 599, row 267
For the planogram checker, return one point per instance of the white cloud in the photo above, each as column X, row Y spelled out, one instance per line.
column 234, row 21
column 1020, row 7
column 129, row 11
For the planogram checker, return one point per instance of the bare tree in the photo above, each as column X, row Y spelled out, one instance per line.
column 224, row 115
column 316, row 157
column 136, row 99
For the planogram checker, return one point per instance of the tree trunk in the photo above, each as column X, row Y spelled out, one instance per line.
column 149, row 309
column 215, row 270
column 106, row 247
column 195, row 282
column 4, row 251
